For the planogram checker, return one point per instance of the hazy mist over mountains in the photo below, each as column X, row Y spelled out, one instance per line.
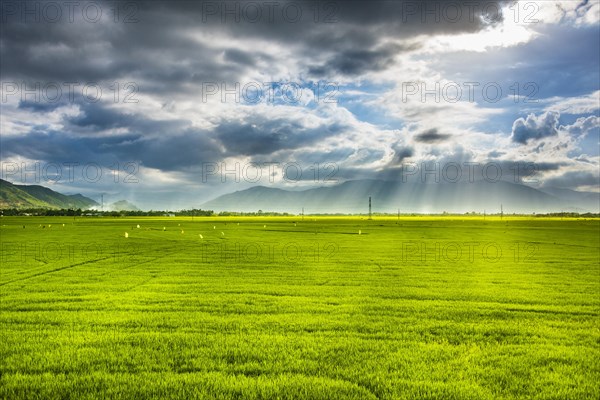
column 350, row 197
column 389, row 197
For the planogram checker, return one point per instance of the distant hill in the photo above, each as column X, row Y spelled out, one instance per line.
column 387, row 196
column 36, row 196
column 574, row 199
column 123, row 205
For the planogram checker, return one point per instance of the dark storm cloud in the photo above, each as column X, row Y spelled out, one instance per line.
column 289, row 21
column 358, row 62
column 260, row 136
column 97, row 117
column 61, row 52
column 160, row 60
column 239, row 57
column 431, row 136
column 157, row 61
column 37, row 106
column 177, row 151
column 42, row 143
column 162, row 44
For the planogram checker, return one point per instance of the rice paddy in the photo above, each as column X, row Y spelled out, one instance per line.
column 292, row 308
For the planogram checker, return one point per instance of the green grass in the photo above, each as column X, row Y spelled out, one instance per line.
column 434, row 308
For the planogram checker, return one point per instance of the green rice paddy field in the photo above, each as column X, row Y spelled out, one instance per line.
column 285, row 308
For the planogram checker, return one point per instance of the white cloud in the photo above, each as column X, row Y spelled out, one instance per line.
column 574, row 105
column 569, row 11
column 583, row 126
column 535, row 127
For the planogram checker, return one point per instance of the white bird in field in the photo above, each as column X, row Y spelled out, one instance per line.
column 264, row 226
column 214, row 227
column 222, row 233
column 359, row 232
column 126, row 235
column 201, row 237
column 63, row 225
column 138, row 226
column 164, row 228
column 50, row 226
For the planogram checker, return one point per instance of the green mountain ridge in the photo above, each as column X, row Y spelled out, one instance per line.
column 36, row 196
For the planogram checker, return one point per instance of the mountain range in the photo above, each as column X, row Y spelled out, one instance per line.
column 350, row 197
column 122, row 205
column 389, row 197
column 36, row 196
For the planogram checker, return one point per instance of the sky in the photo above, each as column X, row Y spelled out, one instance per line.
column 169, row 104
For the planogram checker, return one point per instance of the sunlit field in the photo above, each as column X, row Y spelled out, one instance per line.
column 300, row 308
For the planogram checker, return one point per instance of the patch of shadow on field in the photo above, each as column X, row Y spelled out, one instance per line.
column 55, row 270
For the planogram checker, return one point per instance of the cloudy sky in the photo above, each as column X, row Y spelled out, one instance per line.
column 169, row 104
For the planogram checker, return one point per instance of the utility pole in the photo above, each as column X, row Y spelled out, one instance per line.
column 302, row 213
column 102, row 202
column 370, row 215
column 501, row 212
